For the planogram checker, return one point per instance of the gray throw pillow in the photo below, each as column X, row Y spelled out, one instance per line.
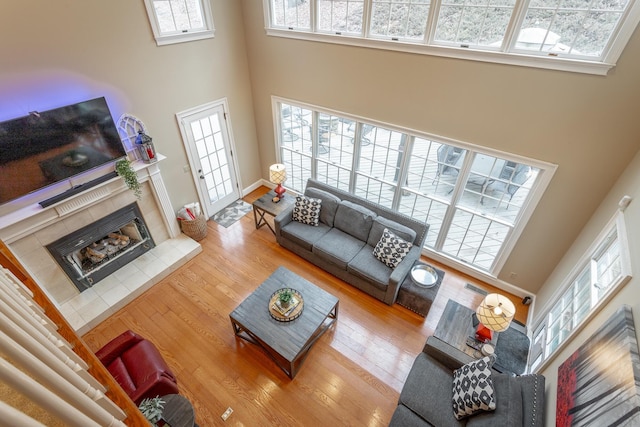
column 307, row 210
column 391, row 249
column 330, row 204
column 473, row 389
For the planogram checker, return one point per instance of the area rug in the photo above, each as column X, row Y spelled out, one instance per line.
column 512, row 349
column 232, row 213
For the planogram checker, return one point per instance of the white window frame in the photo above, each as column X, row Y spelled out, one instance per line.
column 539, row 350
column 507, row 55
column 181, row 36
column 547, row 171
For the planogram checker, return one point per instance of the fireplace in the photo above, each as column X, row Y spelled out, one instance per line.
column 92, row 253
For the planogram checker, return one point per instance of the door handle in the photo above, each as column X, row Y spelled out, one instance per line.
column 200, row 172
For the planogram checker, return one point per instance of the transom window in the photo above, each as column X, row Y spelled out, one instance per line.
column 602, row 271
column 573, row 35
column 175, row 21
column 475, row 203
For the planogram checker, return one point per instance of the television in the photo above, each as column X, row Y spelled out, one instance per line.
column 47, row 147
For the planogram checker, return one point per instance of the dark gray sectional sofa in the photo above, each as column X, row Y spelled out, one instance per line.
column 343, row 242
column 426, row 398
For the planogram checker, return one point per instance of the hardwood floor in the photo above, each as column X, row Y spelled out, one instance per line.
column 353, row 374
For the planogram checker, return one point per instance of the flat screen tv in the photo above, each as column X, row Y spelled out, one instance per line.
column 47, row 147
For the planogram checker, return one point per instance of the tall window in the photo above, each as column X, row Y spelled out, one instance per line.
column 584, row 36
column 399, row 19
column 474, row 203
column 476, row 23
column 604, row 269
column 175, row 21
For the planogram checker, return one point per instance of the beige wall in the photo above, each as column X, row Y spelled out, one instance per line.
column 629, row 184
column 583, row 123
column 72, row 50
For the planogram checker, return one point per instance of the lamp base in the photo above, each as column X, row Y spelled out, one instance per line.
column 483, row 334
column 280, row 191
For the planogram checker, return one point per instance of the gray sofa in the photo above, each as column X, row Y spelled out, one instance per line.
column 426, row 398
column 343, row 242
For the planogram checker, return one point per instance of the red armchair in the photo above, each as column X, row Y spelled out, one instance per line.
column 136, row 364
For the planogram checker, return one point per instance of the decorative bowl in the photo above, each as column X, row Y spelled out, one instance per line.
column 424, row 275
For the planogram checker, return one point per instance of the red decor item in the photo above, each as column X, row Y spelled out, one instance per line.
column 280, row 190
column 483, row 334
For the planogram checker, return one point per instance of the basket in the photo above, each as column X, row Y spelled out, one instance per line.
column 195, row 228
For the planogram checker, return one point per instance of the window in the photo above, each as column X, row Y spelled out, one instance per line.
column 475, row 203
column 601, row 272
column 404, row 20
column 582, row 36
column 175, row 21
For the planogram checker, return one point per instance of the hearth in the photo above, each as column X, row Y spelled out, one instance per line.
column 93, row 252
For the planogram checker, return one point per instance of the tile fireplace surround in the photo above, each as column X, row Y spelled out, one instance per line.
column 28, row 230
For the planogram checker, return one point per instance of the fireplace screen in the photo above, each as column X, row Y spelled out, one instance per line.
column 97, row 250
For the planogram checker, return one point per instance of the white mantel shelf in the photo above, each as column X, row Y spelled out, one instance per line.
column 32, row 218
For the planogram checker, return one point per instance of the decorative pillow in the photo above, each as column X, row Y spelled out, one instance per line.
column 307, row 210
column 391, row 249
column 473, row 388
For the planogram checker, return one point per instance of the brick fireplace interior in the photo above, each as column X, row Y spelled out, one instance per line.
column 28, row 232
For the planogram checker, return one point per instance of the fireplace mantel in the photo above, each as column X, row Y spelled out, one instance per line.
column 28, row 228
column 22, row 222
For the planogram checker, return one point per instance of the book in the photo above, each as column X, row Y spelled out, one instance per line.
column 285, row 311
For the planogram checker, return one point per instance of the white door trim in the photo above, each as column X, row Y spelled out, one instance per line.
column 180, row 116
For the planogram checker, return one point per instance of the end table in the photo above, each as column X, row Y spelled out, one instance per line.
column 178, row 411
column 265, row 205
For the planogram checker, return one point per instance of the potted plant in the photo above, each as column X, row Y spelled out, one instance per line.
column 130, row 177
column 152, row 408
column 285, row 296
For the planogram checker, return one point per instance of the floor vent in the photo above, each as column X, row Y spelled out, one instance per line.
column 476, row 289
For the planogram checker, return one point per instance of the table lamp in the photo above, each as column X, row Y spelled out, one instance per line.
column 495, row 313
column 278, row 175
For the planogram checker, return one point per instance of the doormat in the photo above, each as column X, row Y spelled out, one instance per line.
column 232, row 213
column 476, row 289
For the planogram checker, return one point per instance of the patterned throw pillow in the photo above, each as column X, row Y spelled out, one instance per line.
column 391, row 249
column 473, row 388
column 307, row 210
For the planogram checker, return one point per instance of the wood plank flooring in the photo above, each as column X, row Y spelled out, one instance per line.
column 353, row 374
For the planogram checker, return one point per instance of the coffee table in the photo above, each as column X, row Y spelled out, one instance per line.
column 287, row 343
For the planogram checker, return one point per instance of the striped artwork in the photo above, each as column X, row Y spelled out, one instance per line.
column 597, row 385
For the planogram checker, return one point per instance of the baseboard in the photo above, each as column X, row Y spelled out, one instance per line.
column 260, row 183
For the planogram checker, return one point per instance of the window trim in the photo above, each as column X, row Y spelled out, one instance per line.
column 547, row 170
column 613, row 50
column 618, row 222
column 161, row 40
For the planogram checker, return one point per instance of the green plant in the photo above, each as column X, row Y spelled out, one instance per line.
column 285, row 297
column 152, row 408
column 130, row 177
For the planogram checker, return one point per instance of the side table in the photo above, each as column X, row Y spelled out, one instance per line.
column 418, row 298
column 178, row 411
column 265, row 206
column 511, row 346
column 456, row 326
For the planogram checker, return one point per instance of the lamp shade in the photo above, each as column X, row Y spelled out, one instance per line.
column 277, row 173
column 495, row 312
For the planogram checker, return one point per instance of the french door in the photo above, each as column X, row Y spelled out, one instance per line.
column 210, row 151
